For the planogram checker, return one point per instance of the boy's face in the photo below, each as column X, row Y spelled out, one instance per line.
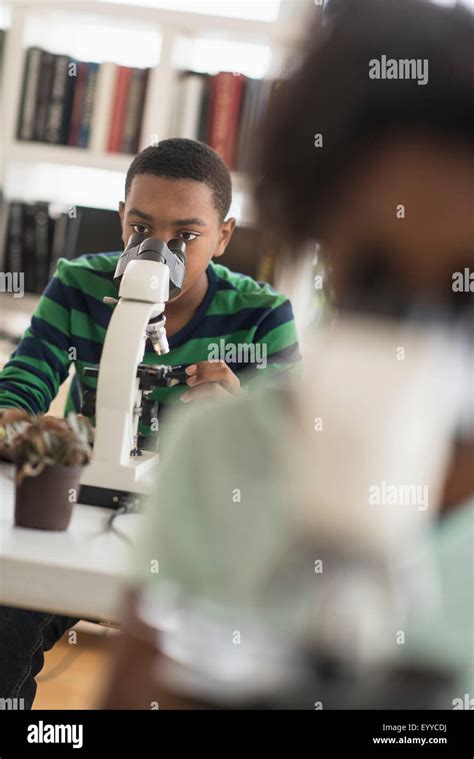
column 166, row 208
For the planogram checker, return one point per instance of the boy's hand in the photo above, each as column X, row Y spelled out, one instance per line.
column 210, row 379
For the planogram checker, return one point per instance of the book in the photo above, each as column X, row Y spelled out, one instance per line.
column 29, row 251
column 31, row 72
column 78, row 102
column 226, row 96
column 87, row 105
column 57, row 102
column 100, row 124
column 134, row 111
column 43, row 95
column 122, row 87
column 58, row 241
column 71, row 82
column 205, row 115
column 191, row 94
column 42, row 245
column 252, row 93
column 14, row 238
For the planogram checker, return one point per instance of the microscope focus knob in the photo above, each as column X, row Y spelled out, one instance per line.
column 149, row 412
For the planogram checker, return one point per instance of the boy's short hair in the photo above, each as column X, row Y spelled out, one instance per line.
column 331, row 94
column 180, row 158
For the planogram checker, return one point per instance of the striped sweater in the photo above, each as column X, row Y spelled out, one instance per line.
column 70, row 322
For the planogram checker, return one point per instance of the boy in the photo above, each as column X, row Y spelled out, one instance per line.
column 179, row 188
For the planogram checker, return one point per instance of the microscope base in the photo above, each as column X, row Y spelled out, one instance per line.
column 91, row 495
column 109, row 485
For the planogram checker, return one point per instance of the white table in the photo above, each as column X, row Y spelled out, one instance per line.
column 79, row 572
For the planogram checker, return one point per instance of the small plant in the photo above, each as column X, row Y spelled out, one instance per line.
column 36, row 442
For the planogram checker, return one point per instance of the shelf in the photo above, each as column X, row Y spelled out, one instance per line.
column 67, row 155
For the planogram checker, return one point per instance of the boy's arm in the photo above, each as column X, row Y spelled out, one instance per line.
column 272, row 350
column 278, row 338
column 39, row 365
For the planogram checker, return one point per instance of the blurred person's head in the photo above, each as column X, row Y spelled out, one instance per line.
column 369, row 150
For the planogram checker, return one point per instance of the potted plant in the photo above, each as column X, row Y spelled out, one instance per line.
column 49, row 455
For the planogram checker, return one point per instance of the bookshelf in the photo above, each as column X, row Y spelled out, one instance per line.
column 162, row 33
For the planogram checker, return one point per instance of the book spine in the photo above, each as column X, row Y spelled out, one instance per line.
column 14, row 250
column 69, row 100
column 225, row 109
column 79, row 93
column 135, row 142
column 58, row 245
column 88, row 105
column 205, row 111
column 58, row 98
column 43, row 99
column 191, row 97
column 119, row 108
column 42, row 245
column 26, row 123
column 131, row 112
column 29, row 253
column 101, row 113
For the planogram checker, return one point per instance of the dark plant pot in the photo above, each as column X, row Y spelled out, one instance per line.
column 43, row 502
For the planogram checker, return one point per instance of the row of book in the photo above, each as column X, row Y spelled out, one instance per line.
column 58, row 101
column 59, row 95
column 40, row 233
column 223, row 110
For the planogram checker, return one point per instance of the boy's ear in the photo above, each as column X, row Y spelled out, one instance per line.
column 227, row 230
column 121, row 210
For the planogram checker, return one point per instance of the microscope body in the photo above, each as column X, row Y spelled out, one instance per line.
column 147, row 276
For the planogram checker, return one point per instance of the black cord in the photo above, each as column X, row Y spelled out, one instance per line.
column 128, row 506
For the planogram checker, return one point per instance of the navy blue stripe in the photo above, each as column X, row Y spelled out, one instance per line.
column 92, row 307
column 88, row 350
column 43, row 330
column 56, row 292
column 33, row 347
column 280, row 315
column 18, row 391
column 37, row 373
column 224, row 284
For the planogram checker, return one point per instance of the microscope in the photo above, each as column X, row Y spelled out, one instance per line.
column 149, row 273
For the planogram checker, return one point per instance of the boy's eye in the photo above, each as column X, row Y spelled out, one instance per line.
column 140, row 229
column 187, row 236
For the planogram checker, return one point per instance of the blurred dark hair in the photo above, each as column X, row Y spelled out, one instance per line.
column 330, row 93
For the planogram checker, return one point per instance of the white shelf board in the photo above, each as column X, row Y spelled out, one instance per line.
column 67, row 155
column 39, row 152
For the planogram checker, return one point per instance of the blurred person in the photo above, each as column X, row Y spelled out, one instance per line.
column 222, row 608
